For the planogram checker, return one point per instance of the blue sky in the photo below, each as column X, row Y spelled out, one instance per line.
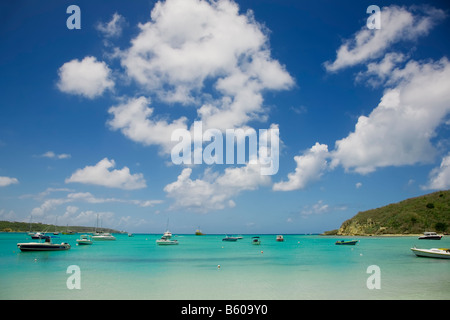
column 87, row 114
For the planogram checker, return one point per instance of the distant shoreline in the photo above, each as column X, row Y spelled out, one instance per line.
column 243, row 234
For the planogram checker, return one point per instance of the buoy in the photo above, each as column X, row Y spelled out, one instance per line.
column 262, row 251
column 218, row 266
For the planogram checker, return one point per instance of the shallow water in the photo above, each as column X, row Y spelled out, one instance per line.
column 301, row 267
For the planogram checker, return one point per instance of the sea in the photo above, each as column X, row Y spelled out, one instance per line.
column 302, row 267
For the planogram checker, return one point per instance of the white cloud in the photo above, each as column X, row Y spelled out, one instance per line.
column 190, row 42
column 214, row 191
column 318, row 208
column 133, row 119
column 440, row 177
column 310, row 167
column 6, row 181
column 358, row 185
column 88, row 77
column 47, row 206
column 397, row 24
column 378, row 72
column 88, row 217
column 88, row 197
column 52, row 155
column 112, row 28
column 100, row 174
column 398, row 131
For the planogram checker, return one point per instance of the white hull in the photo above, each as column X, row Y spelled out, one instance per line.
column 84, row 242
column 35, row 246
column 432, row 253
column 103, row 238
column 166, row 242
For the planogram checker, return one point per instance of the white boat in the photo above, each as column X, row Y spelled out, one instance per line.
column 167, row 234
column 103, row 237
column 430, row 236
column 84, row 240
column 37, row 235
column 228, row 238
column 165, row 239
column 47, row 245
column 443, row 253
column 280, row 238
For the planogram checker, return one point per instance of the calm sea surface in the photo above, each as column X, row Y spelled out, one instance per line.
column 301, row 267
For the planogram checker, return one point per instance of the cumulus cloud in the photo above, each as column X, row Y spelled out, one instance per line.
column 88, row 77
column 399, row 130
column 188, row 43
column 134, row 119
column 397, row 24
column 48, row 205
column 100, row 174
column 440, row 177
column 377, row 72
column 310, row 167
column 214, row 191
column 6, row 181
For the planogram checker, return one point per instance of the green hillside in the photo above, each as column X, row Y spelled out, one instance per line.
column 430, row 212
column 13, row 226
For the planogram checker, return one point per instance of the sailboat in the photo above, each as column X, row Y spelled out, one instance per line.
column 102, row 236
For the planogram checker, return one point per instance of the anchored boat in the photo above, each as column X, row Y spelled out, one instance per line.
column 166, row 239
column 85, row 240
column 443, row 253
column 430, row 236
column 256, row 240
column 103, row 237
column 47, row 245
column 228, row 238
column 347, row 242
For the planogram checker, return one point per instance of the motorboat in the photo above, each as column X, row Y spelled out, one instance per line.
column 228, row 238
column 103, row 237
column 443, row 253
column 347, row 242
column 37, row 235
column 256, row 240
column 47, row 245
column 166, row 239
column 279, row 238
column 167, row 234
column 430, row 236
column 85, row 240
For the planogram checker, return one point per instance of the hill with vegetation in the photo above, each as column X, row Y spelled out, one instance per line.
column 430, row 212
column 13, row 226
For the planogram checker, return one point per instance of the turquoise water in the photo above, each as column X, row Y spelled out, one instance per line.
column 301, row 267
